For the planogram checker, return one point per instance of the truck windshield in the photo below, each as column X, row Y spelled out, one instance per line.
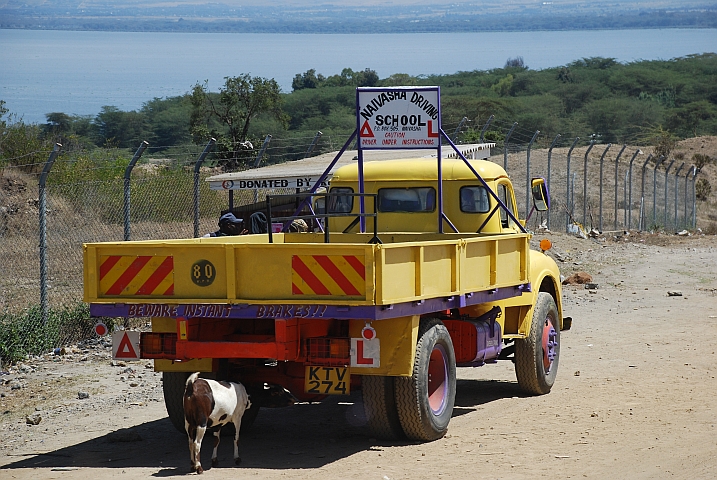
column 418, row 199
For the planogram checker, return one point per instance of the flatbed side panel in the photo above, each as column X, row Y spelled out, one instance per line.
column 415, row 271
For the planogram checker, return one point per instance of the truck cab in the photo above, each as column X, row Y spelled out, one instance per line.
column 406, row 193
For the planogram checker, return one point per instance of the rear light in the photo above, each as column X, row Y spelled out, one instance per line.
column 328, row 351
column 158, row 345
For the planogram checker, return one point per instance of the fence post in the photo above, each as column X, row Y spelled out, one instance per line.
column 687, row 176
column 313, row 144
column 624, row 201
column 127, row 173
column 463, row 121
column 667, row 170
column 527, row 179
column 197, row 166
column 602, row 159
column 654, row 189
column 550, row 155
column 42, row 207
column 485, row 128
column 505, row 147
column 641, row 221
column 694, row 198
column 585, row 183
column 567, row 194
column 677, row 175
column 628, row 206
column 262, row 150
column 617, row 163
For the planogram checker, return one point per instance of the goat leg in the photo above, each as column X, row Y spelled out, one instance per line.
column 217, row 434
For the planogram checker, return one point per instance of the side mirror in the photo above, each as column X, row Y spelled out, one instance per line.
column 541, row 198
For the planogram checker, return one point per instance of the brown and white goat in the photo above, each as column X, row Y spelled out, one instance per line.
column 209, row 404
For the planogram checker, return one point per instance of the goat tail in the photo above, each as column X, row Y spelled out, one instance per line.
column 190, row 384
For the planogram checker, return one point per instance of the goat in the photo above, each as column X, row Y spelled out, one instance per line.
column 212, row 404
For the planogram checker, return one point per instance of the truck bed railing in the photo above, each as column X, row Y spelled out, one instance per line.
column 286, row 220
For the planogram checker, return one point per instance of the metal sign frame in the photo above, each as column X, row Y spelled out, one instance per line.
column 391, row 97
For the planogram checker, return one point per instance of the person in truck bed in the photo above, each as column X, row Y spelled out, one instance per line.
column 229, row 225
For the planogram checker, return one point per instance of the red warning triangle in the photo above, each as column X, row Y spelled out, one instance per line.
column 125, row 348
column 366, row 130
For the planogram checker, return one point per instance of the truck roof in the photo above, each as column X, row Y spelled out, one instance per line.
column 286, row 174
column 423, row 169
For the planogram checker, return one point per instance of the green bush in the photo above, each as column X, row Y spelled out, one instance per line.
column 25, row 333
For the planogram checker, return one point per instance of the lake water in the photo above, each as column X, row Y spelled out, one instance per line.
column 44, row 71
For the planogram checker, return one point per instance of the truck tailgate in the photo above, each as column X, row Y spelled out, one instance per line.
column 239, row 270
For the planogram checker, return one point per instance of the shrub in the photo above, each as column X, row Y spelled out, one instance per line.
column 25, row 333
column 703, row 189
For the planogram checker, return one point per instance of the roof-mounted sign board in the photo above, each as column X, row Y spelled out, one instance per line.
column 398, row 117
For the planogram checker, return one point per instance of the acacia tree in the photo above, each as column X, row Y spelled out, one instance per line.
column 227, row 115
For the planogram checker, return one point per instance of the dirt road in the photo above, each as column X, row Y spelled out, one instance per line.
column 636, row 397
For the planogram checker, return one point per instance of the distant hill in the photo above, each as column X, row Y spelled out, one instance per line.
column 344, row 16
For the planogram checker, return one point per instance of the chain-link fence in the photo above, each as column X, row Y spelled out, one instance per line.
column 592, row 186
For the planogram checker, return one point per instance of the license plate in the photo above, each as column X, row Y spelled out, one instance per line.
column 327, row 380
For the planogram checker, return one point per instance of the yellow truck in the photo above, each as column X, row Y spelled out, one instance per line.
column 378, row 298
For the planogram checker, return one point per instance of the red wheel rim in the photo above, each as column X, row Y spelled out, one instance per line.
column 437, row 380
column 550, row 345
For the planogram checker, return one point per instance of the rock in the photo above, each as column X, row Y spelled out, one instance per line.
column 125, row 435
column 674, row 294
column 83, row 395
column 578, row 278
column 33, row 419
column 591, row 286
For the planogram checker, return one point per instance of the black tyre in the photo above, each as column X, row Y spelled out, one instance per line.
column 379, row 404
column 173, row 385
column 537, row 356
column 425, row 399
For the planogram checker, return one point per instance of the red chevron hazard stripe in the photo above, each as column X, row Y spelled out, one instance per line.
column 156, row 278
column 343, row 282
column 307, row 275
column 334, row 275
column 129, row 275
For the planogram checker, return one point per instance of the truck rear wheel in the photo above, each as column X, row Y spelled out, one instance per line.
column 536, row 357
column 380, row 407
column 425, row 399
column 173, row 385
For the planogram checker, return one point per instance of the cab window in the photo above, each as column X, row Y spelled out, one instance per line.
column 474, row 199
column 507, row 199
column 341, row 203
column 417, row 199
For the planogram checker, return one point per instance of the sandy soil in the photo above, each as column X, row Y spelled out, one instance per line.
column 634, row 398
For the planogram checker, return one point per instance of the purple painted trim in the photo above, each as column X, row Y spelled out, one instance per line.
column 342, row 312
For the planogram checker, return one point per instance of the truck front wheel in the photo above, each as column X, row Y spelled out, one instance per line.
column 536, row 357
column 425, row 399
